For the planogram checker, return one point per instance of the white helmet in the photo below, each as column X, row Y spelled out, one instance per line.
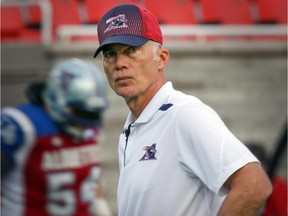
column 76, row 93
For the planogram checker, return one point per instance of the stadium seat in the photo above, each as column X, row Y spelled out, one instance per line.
column 172, row 11
column 32, row 25
column 34, row 13
column 14, row 28
column 64, row 12
column 272, row 11
column 11, row 22
column 97, row 8
column 226, row 12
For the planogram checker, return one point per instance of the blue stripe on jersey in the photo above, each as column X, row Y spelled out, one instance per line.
column 40, row 119
column 12, row 133
column 165, row 107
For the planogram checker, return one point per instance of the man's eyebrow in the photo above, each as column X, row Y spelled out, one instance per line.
column 111, row 48
column 106, row 48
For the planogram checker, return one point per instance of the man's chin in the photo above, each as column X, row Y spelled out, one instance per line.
column 125, row 91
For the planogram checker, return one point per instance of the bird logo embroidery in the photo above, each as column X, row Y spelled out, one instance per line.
column 150, row 152
column 116, row 22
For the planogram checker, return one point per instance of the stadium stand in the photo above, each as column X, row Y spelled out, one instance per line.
column 34, row 13
column 96, row 8
column 31, row 15
column 172, row 11
column 49, row 21
column 15, row 28
column 25, row 22
column 64, row 12
column 272, row 11
column 11, row 23
column 226, row 12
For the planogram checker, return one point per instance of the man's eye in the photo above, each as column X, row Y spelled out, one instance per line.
column 132, row 49
column 108, row 54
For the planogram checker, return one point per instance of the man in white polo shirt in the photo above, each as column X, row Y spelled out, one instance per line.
column 176, row 156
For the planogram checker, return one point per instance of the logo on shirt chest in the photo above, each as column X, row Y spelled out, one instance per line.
column 150, row 152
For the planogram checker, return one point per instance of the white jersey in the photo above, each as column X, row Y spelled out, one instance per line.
column 175, row 158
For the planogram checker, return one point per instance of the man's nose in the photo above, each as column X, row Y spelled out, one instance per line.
column 121, row 60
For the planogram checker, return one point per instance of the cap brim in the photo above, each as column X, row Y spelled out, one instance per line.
column 130, row 40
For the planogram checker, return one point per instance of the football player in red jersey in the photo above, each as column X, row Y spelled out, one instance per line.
column 49, row 146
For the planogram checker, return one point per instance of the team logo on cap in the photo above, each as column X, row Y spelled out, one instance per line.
column 150, row 153
column 116, row 22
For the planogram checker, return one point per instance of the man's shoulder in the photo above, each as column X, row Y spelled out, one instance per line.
column 29, row 114
column 180, row 99
column 29, row 108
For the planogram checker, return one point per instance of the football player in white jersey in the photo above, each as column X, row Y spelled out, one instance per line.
column 50, row 163
column 176, row 156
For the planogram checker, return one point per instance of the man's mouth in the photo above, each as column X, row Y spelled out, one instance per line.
column 122, row 79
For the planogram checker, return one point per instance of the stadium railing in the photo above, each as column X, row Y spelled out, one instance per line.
column 197, row 32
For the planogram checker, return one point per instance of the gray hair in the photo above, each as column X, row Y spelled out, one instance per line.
column 155, row 47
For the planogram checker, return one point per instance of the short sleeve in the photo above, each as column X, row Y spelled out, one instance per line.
column 206, row 147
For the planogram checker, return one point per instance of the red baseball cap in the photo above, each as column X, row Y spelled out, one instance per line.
column 128, row 24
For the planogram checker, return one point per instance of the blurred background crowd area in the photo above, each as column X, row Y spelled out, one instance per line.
column 232, row 54
column 41, row 21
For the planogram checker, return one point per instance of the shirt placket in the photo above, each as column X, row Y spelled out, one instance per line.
column 128, row 140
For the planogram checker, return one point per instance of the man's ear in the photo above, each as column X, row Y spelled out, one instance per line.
column 164, row 58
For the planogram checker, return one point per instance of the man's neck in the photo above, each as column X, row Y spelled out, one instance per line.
column 137, row 105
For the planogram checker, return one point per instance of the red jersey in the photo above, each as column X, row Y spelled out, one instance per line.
column 53, row 174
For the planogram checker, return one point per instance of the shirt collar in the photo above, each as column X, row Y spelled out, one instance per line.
column 153, row 106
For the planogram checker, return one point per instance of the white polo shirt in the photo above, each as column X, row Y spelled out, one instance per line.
column 178, row 155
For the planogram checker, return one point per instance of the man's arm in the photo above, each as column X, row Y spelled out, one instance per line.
column 101, row 206
column 249, row 188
